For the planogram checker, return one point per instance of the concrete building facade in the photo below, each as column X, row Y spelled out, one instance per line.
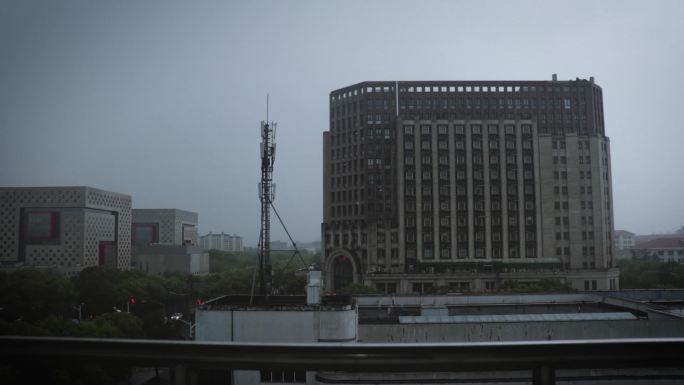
column 669, row 249
column 223, row 242
column 65, row 228
column 427, row 177
column 165, row 240
column 159, row 259
column 164, row 227
column 296, row 319
column 624, row 240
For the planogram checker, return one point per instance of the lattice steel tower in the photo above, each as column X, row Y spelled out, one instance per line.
column 266, row 196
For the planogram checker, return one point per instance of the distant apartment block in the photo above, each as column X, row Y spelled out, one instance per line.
column 165, row 240
column 624, row 240
column 669, row 249
column 64, row 228
column 223, row 242
column 426, row 182
column 639, row 240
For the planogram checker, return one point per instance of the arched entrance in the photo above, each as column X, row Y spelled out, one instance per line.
column 340, row 269
column 343, row 272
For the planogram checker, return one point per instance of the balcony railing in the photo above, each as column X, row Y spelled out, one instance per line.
column 542, row 358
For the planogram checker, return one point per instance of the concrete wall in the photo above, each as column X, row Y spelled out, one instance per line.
column 531, row 331
column 213, row 325
column 170, row 223
column 276, row 326
column 338, row 326
column 86, row 217
column 158, row 259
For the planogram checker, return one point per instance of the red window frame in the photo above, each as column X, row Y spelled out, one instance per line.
column 153, row 226
column 54, row 226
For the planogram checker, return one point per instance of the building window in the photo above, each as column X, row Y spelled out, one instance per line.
column 41, row 227
column 145, row 233
column 285, row 376
column 421, row 287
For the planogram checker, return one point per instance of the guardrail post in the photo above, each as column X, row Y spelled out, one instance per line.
column 544, row 375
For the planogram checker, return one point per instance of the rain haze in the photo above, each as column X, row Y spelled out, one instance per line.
column 162, row 100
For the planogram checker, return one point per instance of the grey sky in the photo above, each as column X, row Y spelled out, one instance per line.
column 162, row 99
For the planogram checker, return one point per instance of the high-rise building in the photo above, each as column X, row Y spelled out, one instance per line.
column 467, row 184
column 223, row 242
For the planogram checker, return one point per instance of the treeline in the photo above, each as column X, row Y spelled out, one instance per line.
column 645, row 274
column 104, row 302
column 99, row 302
column 109, row 303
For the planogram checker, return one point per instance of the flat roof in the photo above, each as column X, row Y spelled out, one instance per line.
column 460, row 319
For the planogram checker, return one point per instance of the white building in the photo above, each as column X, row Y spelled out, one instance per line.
column 624, row 240
column 665, row 249
column 223, row 242
column 310, row 318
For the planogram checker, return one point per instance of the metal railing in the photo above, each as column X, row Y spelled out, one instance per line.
column 543, row 358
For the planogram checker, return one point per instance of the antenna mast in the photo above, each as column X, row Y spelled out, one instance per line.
column 266, row 196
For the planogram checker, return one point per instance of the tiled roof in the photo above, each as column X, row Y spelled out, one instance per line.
column 664, row 243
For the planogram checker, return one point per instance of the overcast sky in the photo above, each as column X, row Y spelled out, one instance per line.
column 162, row 100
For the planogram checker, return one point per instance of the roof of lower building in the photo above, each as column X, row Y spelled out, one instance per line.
column 445, row 319
column 664, row 243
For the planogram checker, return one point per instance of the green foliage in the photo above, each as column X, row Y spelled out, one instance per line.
column 541, row 286
column 31, row 295
column 234, row 272
column 221, row 261
column 233, row 281
column 112, row 325
column 357, row 288
column 650, row 274
column 289, row 282
column 100, row 290
column 443, row 290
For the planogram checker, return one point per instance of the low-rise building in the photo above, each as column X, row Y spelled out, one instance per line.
column 640, row 240
column 669, row 249
column 159, row 259
column 64, row 228
column 223, row 242
column 291, row 319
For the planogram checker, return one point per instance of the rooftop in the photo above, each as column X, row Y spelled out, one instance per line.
column 276, row 302
column 664, row 243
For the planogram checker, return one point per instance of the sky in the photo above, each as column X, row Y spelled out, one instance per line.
column 162, row 100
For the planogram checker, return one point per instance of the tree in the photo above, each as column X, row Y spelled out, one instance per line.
column 32, row 295
column 541, row 286
column 651, row 274
column 288, row 282
column 100, row 290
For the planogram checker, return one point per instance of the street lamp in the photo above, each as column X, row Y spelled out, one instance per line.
column 190, row 325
